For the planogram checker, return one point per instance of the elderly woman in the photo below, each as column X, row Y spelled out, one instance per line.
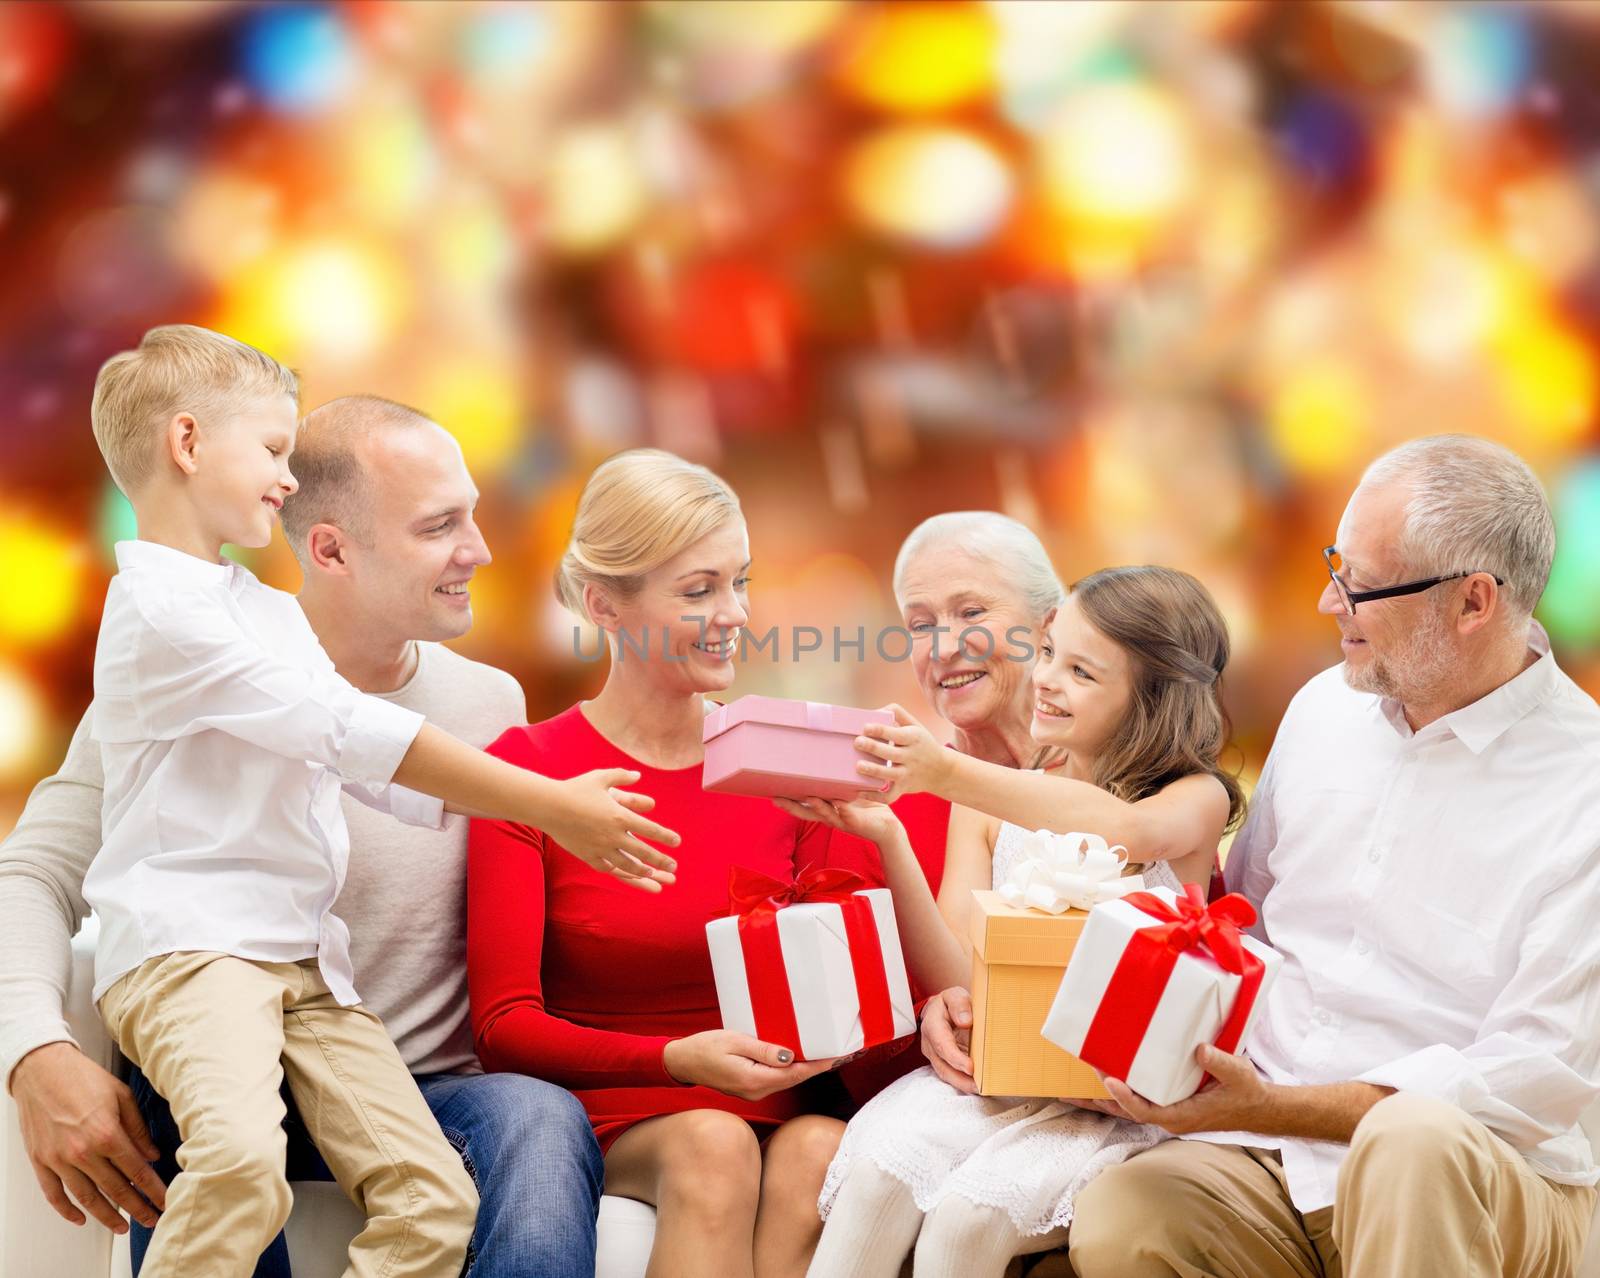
column 974, row 588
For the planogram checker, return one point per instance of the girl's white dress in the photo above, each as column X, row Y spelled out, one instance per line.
column 1028, row 1157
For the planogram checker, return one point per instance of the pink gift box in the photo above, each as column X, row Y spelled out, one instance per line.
column 778, row 748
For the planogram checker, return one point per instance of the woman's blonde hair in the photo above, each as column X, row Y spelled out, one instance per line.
column 1177, row 642
column 638, row 510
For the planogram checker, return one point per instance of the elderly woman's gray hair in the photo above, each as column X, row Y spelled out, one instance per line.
column 1010, row 546
column 1475, row 506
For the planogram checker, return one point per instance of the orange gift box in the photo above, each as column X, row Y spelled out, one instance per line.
column 1018, row 958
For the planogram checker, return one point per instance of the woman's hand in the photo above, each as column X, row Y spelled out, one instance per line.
column 736, row 1064
column 868, row 818
column 910, row 757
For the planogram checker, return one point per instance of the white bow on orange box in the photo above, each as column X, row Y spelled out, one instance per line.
column 1060, row 872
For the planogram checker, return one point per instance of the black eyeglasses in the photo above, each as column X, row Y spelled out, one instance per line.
column 1350, row 598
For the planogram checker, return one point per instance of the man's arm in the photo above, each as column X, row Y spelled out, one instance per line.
column 1528, row 1075
column 1237, row 1098
column 42, row 866
column 80, row 1125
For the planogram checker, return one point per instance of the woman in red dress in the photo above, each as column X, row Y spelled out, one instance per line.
column 581, row 979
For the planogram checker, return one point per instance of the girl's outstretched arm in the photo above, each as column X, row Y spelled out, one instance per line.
column 1182, row 823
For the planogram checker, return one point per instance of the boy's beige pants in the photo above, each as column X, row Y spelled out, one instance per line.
column 216, row 1035
column 1427, row 1191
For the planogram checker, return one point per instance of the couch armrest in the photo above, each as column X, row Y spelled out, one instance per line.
column 82, row 1018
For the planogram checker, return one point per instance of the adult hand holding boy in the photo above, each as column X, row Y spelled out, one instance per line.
column 85, row 1139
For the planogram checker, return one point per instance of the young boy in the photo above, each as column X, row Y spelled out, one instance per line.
column 226, row 735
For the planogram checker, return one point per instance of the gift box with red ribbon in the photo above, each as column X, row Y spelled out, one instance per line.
column 1153, row 976
column 814, row 965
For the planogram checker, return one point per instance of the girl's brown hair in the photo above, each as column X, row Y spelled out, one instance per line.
column 1178, row 644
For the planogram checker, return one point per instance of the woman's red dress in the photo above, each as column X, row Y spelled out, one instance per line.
column 581, row 980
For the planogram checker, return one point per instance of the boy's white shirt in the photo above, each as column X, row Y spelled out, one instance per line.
column 410, row 964
column 226, row 736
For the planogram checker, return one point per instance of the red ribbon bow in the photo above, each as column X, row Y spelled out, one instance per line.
column 1141, row 975
column 751, row 892
column 756, row 898
column 1197, row 924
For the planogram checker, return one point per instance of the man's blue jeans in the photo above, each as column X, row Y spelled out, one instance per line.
column 527, row 1144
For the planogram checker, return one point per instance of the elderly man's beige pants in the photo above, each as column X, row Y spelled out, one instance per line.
column 209, row 1031
column 1426, row 1192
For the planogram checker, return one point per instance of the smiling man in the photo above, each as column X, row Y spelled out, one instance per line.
column 383, row 527
column 1425, row 853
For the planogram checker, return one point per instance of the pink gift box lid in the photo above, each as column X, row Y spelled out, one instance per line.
column 818, row 716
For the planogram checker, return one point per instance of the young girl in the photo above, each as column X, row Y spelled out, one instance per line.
column 1130, row 725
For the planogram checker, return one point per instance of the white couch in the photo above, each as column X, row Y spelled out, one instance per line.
column 36, row 1243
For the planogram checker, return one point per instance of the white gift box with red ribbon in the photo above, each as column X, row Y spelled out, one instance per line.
column 1153, row 976
column 815, row 966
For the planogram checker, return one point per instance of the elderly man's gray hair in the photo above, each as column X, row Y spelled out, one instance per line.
column 1475, row 506
column 998, row 539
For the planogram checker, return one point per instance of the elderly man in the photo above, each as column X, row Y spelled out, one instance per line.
column 1424, row 848
column 383, row 528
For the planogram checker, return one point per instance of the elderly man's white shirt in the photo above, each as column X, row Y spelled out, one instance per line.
column 1434, row 895
column 226, row 734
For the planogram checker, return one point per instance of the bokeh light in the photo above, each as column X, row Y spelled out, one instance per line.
column 22, row 727
column 35, row 40
column 1478, row 59
column 930, row 185
column 386, row 159
column 1548, row 375
column 337, row 299
column 469, row 245
column 1115, row 172
column 502, row 43
column 596, row 192
column 1571, row 605
column 920, row 57
column 298, row 57
column 224, row 221
column 481, row 399
column 43, row 569
column 1116, row 153
column 734, row 314
column 1319, row 418
column 1160, row 280
column 1044, row 49
column 114, row 522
